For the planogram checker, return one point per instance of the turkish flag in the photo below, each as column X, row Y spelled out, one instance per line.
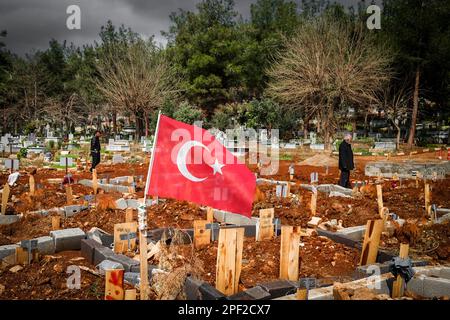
column 190, row 164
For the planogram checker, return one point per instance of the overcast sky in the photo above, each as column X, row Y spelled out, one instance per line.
column 32, row 23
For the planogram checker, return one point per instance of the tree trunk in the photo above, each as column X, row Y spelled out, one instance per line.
column 412, row 130
column 114, row 121
column 146, row 123
column 398, row 135
column 366, row 131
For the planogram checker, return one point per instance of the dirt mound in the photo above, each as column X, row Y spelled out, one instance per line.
column 320, row 160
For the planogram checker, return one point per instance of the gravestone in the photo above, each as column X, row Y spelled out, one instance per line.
column 117, row 158
column 12, row 164
column 63, row 161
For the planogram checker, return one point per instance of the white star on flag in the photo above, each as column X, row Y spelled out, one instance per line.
column 217, row 167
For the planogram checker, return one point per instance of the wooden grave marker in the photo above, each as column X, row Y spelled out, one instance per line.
column 69, row 195
column 397, row 286
column 380, row 199
column 289, row 252
column 313, row 203
column 5, row 197
column 229, row 260
column 32, row 185
column 56, row 222
column 371, row 241
column 210, row 215
column 94, row 181
column 265, row 224
column 125, row 235
column 129, row 215
column 130, row 294
column 114, row 284
column 144, row 287
column 427, row 198
column 202, row 236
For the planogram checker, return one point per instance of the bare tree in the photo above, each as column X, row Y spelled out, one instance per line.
column 137, row 81
column 326, row 64
column 394, row 103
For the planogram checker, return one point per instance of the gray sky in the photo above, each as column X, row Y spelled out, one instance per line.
column 32, row 23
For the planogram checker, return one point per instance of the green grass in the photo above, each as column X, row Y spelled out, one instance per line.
column 286, row 157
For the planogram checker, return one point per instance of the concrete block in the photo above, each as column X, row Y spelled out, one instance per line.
column 102, row 253
column 436, row 287
column 8, row 219
column 87, row 249
column 136, row 268
column 208, row 292
column 354, row 233
column 46, row 245
column 133, row 278
column 445, row 273
column 100, row 236
column 232, row 218
column 133, row 203
column 416, row 285
column 108, row 265
column 7, row 250
column 70, row 211
column 121, row 204
column 278, row 288
column 191, row 288
column 67, row 239
column 125, row 261
column 240, row 296
column 258, row 293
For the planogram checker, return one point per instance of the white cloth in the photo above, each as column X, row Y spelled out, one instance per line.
column 13, row 178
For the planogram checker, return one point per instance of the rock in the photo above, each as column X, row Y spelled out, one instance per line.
column 16, row 269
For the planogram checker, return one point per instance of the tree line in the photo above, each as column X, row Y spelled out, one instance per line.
column 291, row 66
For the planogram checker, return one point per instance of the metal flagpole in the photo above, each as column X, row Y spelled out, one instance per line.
column 142, row 220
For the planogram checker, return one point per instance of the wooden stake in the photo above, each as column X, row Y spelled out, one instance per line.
column 302, row 294
column 427, row 198
column 397, row 286
column 5, row 197
column 114, row 285
column 289, row 252
column 121, row 246
column 210, row 215
column 202, row 236
column 130, row 294
column 144, row 288
column 56, row 222
column 229, row 260
column 94, row 181
column 129, row 215
column 380, row 199
column 265, row 225
column 69, row 196
column 313, row 204
column 371, row 241
column 32, row 185
column 21, row 256
column 384, row 215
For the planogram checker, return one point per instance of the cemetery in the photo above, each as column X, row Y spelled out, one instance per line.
column 241, row 151
column 72, row 217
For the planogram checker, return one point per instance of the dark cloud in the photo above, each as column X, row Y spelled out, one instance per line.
column 32, row 23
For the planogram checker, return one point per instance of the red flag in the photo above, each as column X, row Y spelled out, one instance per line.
column 190, row 164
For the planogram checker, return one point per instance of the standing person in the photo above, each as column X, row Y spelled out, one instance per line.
column 346, row 161
column 95, row 149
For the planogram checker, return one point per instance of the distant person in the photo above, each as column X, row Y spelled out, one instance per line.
column 346, row 161
column 95, row 149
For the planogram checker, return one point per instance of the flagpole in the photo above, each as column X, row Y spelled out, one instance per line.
column 150, row 167
column 142, row 219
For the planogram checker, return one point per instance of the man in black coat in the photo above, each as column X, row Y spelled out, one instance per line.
column 95, row 149
column 346, row 161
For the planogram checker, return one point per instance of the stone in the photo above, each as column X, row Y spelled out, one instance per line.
column 16, row 269
column 87, row 249
column 133, row 203
column 121, row 204
column 191, row 288
column 108, row 265
column 100, row 236
column 46, row 245
column 133, row 278
column 8, row 219
column 435, row 287
column 7, row 250
column 70, row 211
column 208, row 292
column 258, row 293
column 67, row 239
column 240, row 296
column 102, row 253
column 278, row 288
column 126, row 262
